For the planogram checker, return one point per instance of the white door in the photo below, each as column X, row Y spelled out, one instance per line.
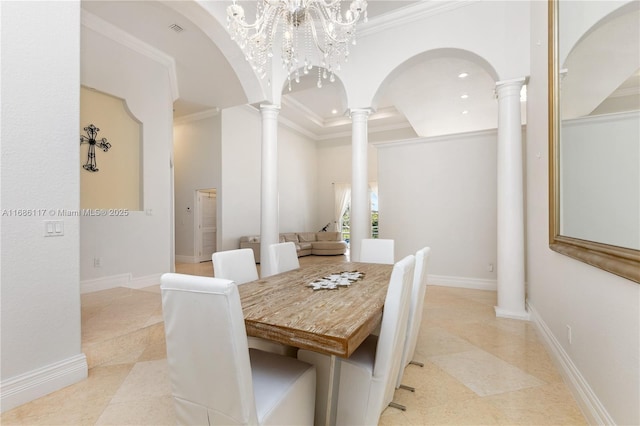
column 206, row 225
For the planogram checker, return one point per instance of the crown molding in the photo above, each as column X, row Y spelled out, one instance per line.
column 629, row 91
column 122, row 37
column 297, row 128
column 409, row 14
column 310, row 115
column 197, row 116
column 371, row 130
column 432, row 139
column 602, row 118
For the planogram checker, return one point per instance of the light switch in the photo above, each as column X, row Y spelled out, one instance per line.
column 53, row 228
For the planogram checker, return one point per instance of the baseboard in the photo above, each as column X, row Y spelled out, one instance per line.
column 180, row 258
column 462, row 282
column 142, row 282
column 519, row 315
column 590, row 405
column 120, row 280
column 38, row 383
column 104, row 283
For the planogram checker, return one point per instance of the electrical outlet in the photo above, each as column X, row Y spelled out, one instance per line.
column 490, row 267
column 97, row 262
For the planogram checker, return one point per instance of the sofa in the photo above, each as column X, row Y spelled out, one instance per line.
column 317, row 243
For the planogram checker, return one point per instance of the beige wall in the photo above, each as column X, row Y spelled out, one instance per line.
column 117, row 184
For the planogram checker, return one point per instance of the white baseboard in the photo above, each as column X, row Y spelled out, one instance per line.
column 120, row 280
column 519, row 315
column 462, row 282
column 180, row 258
column 104, row 283
column 142, row 282
column 592, row 408
column 38, row 383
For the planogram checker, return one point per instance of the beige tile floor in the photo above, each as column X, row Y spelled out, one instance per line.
column 479, row 370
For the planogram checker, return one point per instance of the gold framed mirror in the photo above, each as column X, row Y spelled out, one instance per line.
column 618, row 255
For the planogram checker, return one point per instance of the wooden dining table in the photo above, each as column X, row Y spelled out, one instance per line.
column 285, row 308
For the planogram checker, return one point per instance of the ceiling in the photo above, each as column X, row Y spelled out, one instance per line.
column 413, row 101
column 207, row 81
column 598, row 78
column 425, row 99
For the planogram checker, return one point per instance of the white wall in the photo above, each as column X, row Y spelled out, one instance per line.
column 141, row 244
column 600, row 180
column 197, row 165
column 441, row 192
column 297, row 182
column 239, row 198
column 504, row 41
column 40, row 280
column 334, row 166
column 603, row 310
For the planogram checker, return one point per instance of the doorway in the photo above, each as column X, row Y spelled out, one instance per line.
column 205, row 224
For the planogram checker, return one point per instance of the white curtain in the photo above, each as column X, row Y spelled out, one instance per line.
column 342, row 193
column 373, row 187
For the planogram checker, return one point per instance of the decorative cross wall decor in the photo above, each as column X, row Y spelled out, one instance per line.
column 92, row 132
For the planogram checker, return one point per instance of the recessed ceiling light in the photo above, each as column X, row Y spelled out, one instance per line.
column 463, row 75
column 465, row 112
column 334, row 111
column 464, row 96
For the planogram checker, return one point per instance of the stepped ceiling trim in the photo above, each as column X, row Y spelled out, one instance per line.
column 114, row 33
column 406, row 15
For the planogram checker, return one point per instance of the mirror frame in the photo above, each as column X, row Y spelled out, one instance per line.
column 621, row 261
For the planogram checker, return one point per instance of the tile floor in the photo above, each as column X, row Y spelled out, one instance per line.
column 479, row 370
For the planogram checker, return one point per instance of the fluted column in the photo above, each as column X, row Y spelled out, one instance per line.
column 360, row 204
column 510, row 273
column 269, row 228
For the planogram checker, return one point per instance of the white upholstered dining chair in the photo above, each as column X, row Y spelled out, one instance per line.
column 240, row 266
column 284, row 257
column 236, row 265
column 215, row 378
column 418, row 290
column 376, row 250
column 368, row 377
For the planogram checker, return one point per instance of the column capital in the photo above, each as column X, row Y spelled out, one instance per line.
column 360, row 112
column 269, row 107
column 511, row 85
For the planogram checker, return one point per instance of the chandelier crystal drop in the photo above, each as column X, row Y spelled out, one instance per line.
column 309, row 31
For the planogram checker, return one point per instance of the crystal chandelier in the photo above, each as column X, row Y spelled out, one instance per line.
column 310, row 30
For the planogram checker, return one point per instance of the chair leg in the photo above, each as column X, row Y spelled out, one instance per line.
column 398, row 406
column 409, row 388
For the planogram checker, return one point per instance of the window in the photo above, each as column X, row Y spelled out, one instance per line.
column 346, row 219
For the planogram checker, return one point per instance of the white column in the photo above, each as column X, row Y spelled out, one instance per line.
column 360, row 204
column 269, row 228
column 511, row 288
